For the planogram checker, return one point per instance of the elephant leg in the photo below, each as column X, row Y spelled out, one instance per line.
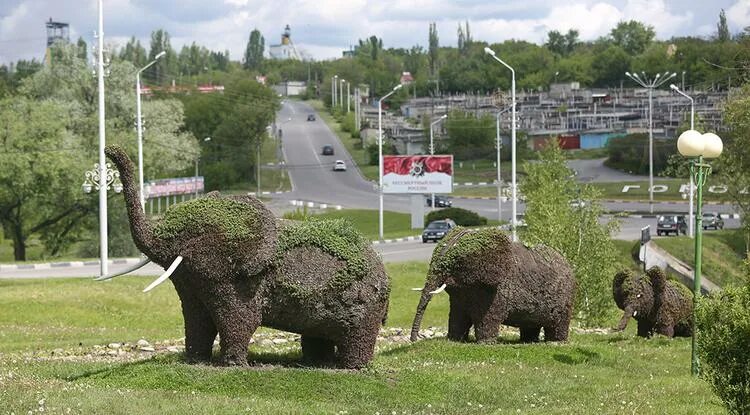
column 236, row 317
column 530, row 334
column 459, row 321
column 316, row 350
column 355, row 351
column 665, row 328
column 487, row 329
column 558, row 333
column 200, row 330
column 645, row 328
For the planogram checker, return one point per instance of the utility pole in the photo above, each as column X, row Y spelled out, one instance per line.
column 103, row 248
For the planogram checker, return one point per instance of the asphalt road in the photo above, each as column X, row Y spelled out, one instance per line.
column 314, row 180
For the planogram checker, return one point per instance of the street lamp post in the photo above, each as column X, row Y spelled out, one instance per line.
column 498, row 145
column 380, row 158
column 341, row 93
column 197, row 160
column 139, row 122
column 348, row 98
column 102, row 167
column 333, row 96
column 432, row 149
column 512, row 141
column 691, row 230
column 658, row 81
column 698, row 147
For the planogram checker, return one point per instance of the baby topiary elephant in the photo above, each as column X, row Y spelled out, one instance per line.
column 660, row 305
column 493, row 281
column 236, row 267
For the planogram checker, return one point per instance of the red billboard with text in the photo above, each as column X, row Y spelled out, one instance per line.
column 417, row 174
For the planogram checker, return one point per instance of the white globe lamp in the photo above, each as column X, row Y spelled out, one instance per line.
column 713, row 145
column 691, row 143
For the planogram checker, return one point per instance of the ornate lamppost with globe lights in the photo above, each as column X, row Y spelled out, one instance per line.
column 698, row 147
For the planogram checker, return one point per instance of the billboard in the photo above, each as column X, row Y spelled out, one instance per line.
column 170, row 187
column 417, row 174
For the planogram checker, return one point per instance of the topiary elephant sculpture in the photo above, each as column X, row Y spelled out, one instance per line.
column 493, row 281
column 660, row 305
column 236, row 267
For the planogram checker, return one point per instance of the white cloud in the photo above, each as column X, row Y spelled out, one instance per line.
column 739, row 14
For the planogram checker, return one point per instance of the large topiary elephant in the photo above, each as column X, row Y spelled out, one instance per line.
column 493, row 281
column 660, row 305
column 236, row 267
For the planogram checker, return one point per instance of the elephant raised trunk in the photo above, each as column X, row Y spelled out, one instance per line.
column 427, row 292
column 140, row 227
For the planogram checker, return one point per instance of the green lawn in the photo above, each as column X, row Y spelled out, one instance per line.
column 48, row 329
column 723, row 253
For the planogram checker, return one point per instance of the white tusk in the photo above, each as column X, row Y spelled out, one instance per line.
column 635, row 312
column 439, row 290
column 141, row 264
column 164, row 276
column 416, row 289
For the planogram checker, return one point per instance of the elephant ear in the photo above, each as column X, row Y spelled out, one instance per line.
column 621, row 284
column 658, row 279
column 258, row 257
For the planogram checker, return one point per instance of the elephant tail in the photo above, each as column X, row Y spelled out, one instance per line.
column 432, row 286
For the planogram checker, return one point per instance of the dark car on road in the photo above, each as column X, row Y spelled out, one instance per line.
column 311, row 117
column 713, row 220
column 667, row 224
column 437, row 230
column 327, row 150
column 440, row 201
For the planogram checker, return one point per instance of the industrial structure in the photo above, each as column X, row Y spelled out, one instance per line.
column 57, row 32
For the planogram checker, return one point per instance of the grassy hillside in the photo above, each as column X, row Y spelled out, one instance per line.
column 723, row 253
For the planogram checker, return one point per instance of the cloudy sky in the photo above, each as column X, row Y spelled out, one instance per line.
column 323, row 28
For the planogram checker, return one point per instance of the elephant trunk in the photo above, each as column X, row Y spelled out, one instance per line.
column 629, row 312
column 143, row 234
column 429, row 287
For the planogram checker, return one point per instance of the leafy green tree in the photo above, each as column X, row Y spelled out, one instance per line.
column 82, row 49
column 254, row 50
column 632, row 36
column 722, row 29
column 734, row 164
column 549, row 187
column 165, row 69
column 134, row 53
column 469, row 137
column 562, row 44
column 609, row 67
column 434, row 49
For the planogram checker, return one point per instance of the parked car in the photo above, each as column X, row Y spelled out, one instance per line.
column 437, row 230
column 713, row 220
column 440, row 201
column 311, row 117
column 339, row 165
column 327, row 150
column 671, row 224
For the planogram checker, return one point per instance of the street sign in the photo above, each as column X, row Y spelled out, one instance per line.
column 645, row 235
column 418, row 174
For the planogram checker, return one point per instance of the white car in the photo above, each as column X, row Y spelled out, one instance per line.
column 339, row 165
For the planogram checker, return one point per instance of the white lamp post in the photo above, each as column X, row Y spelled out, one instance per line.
column 140, row 125
column 695, row 146
column 348, row 97
column 380, row 157
column 498, row 145
column 341, row 93
column 512, row 141
column 432, row 149
column 333, row 96
column 691, row 230
column 658, row 81
column 103, row 170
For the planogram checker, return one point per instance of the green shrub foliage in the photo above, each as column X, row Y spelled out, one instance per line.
column 462, row 217
column 723, row 322
column 235, row 220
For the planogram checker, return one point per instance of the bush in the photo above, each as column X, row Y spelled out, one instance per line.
column 372, row 152
column 723, row 323
column 630, row 153
column 462, row 217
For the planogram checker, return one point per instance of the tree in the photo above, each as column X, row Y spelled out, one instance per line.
column 575, row 232
column 254, row 50
column 134, row 53
column 632, row 36
column 434, row 49
column 734, row 164
column 562, row 44
column 609, row 67
column 165, row 68
column 469, row 137
column 48, row 138
column 82, row 49
column 370, row 47
column 722, row 29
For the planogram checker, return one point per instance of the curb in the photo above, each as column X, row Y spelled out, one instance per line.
column 51, row 265
column 268, row 193
column 313, row 205
column 679, row 202
column 404, row 239
column 625, row 214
